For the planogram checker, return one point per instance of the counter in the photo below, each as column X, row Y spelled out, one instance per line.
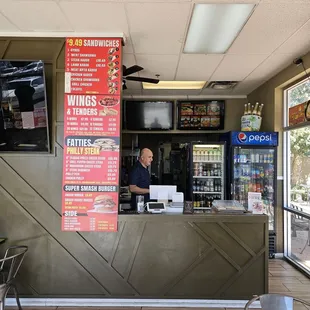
column 151, row 256
column 193, row 256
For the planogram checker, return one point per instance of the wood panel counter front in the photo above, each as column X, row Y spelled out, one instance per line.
column 193, row 256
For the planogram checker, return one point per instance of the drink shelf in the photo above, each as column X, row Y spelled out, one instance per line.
column 253, row 163
column 206, row 177
column 202, row 208
column 207, row 193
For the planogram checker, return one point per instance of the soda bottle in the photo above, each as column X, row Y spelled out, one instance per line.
column 259, row 112
column 255, row 110
column 245, row 109
column 257, row 158
column 249, row 109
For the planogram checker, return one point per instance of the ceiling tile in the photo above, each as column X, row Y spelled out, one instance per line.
column 197, row 67
column 269, row 26
column 102, row 17
column 128, row 1
column 170, row 92
column 128, row 48
column 237, row 67
column 157, row 28
column 226, row 1
column 247, row 86
column 129, row 60
column 285, row 1
column 165, row 65
column 6, row 25
column 271, row 66
column 35, row 15
column 298, row 44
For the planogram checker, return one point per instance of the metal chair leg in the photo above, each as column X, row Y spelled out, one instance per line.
column 17, row 297
column 2, row 304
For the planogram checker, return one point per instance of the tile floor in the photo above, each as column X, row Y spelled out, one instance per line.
column 283, row 278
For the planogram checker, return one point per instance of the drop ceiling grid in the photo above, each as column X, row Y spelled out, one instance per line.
column 197, row 67
column 40, row 16
column 96, row 16
column 6, row 24
column 237, row 67
column 190, row 13
column 270, row 25
column 298, row 43
column 157, row 28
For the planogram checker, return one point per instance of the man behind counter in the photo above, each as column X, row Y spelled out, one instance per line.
column 139, row 178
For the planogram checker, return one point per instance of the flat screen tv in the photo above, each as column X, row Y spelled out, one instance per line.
column 23, row 111
column 148, row 115
column 201, row 115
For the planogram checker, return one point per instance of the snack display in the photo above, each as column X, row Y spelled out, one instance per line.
column 228, row 206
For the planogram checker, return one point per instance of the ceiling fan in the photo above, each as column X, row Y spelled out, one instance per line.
column 132, row 70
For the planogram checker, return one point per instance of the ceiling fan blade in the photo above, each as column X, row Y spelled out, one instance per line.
column 142, row 79
column 132, row 70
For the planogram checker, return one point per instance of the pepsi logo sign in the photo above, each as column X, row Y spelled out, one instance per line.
column 242, row 137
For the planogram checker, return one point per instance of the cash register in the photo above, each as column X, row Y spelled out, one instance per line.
column 164, row 198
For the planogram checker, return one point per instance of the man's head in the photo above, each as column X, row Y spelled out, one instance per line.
column 146, row 157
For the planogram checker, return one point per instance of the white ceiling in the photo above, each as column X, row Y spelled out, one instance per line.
column 155, row 31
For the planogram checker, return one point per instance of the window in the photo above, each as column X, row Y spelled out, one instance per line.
column 296, row 163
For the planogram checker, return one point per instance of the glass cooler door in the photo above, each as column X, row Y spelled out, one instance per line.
column 254, row 171
column 207, row 175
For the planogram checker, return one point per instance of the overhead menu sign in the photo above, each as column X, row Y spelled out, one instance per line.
column 91, row 134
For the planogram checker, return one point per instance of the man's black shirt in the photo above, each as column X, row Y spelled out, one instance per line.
column 140, row 177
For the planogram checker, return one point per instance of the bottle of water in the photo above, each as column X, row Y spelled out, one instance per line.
column 140, row 203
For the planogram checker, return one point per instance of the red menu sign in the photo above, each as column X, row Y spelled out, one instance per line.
column 297, row 114
column 91, row 134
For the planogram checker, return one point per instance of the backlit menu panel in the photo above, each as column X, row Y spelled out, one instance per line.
column 91, row 134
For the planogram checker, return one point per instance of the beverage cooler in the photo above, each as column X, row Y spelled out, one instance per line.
column 206, row 174
column 252, row 163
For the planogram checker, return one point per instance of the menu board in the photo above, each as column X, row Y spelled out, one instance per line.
column 91, row 134
column 297, row 114
column 206, row 114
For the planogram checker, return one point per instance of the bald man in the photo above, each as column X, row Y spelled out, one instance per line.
column 139, row 178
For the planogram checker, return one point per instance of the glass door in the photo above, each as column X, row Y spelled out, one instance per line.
column 207, row 175
column 254, row 171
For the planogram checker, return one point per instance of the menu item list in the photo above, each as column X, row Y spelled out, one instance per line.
column 91, row 134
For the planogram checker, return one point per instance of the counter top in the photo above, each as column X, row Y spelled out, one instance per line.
column 246, row 217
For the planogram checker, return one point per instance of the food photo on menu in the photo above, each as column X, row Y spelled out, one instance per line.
column 100, row 143
column 104, row 203
column 106, row 144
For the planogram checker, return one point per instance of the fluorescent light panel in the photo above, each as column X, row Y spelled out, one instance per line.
column 214, row 27
column 175, row 85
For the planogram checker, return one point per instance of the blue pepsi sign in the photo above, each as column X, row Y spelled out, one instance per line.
column 254, row 138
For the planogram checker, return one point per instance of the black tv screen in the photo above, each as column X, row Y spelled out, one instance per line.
column 23, row 111
column 148, row 115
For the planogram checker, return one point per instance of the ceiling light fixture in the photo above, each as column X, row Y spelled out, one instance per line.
column 214, row 27
column 175, row 85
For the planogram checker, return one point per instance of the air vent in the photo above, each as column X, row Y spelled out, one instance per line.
column 222, row 85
